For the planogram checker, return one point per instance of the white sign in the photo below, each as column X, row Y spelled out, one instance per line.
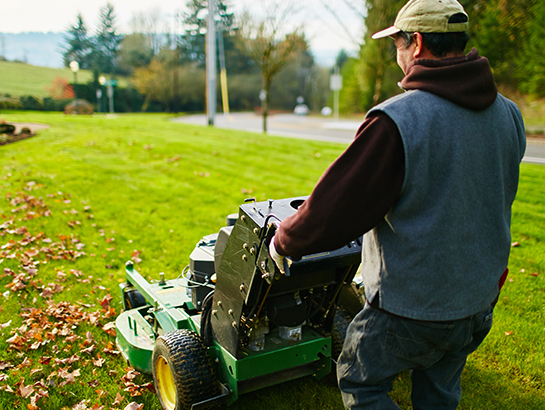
column 336, row 82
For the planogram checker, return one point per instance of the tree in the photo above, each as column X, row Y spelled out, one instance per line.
column 375, row 58
column 150, row 25
column 107, row 41
column 192, row 41
column 265, row 41
column 136, row 51
column 293, row 80
column 154, row 82
column 342, row 57
column 60, row 89
column 80, row 46
column 531, row 64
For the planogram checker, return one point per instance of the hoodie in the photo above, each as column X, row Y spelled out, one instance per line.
column 356, row 192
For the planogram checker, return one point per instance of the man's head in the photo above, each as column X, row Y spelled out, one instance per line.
column 428, row 29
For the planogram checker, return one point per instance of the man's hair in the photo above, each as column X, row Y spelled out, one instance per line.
column 440, row 44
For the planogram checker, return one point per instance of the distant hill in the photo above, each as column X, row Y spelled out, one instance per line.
column 39, row 49
column 17, row 79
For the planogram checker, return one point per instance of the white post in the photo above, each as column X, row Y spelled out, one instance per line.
column 336, row 84
column 111, row 96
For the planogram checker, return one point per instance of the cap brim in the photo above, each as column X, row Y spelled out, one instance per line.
column 386, row 32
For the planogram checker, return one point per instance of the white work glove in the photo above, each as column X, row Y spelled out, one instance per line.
column 278, row 259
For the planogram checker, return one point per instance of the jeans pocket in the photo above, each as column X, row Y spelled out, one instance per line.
column 415, row 340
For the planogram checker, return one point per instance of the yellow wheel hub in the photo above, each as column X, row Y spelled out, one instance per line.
column 165, row 382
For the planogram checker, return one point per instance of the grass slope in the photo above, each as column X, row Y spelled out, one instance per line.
column 19, row 79
column 140, row 185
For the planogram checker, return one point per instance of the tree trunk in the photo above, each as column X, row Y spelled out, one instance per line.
column 265, row 106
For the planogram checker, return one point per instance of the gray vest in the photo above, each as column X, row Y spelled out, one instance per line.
column 445, row 243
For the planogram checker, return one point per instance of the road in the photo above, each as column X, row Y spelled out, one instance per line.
column 317, row 128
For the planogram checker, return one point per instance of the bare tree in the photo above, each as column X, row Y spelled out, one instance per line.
column 270, row 42
column 149, row 23
column 357, row 7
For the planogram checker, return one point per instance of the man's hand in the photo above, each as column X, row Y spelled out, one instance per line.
column 280, row 261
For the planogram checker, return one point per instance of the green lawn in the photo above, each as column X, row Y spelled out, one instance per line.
column 93, row 191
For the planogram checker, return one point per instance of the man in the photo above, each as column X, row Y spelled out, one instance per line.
column 430, row 180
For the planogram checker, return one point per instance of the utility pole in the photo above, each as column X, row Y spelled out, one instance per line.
column 211, row 63
column 175, row 87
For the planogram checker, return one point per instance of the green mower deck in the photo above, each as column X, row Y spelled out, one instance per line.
column 253, row 326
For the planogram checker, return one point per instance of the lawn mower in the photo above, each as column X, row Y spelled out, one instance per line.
column 231, row 323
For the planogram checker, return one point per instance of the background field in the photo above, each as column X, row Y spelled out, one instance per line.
column 142, row 186
column 19, row 79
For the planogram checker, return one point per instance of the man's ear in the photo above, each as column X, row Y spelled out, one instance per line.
column 419, row 42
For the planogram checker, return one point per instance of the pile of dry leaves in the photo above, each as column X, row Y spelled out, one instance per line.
column 41, row 349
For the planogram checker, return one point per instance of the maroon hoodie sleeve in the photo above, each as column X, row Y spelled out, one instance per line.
column 352, row 196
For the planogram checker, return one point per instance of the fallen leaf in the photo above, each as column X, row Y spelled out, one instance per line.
column 6, row 388
column 44, row 360
column 105, row 302
column 5, row 324
column 25, row 391
column 535, row 274
column 99, row 361
column 82, row 405
column 118, row 399
column 131, row 374
column 26, row 363
column 110, row 328
column 93, row 383
column 5, row 365
column 134, row 406
column 109, row 349
column 34, row 371
column 508, row 333
column 88, row 350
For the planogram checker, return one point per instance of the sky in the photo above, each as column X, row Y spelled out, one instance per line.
column 326, row 34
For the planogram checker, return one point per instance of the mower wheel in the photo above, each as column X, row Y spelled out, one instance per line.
column 340, row 326
column 338, row 334
column 132, row 298
column 182, row 370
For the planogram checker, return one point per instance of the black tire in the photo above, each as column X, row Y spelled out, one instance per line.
column 338, row 334
column 132, row 298
column 207, row 333
column 182, row 370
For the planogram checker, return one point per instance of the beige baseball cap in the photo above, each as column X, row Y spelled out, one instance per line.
column 426, row 16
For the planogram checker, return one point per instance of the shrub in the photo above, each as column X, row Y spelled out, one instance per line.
column 80, row 107
column 6, row 128
column 31, row 103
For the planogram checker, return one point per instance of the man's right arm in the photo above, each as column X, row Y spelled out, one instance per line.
column 352, row 196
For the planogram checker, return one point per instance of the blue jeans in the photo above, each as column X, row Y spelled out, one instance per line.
column 378, row 346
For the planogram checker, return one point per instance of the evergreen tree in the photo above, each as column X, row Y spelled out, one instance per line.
column 79, row 44
column 107, row 41
column 193, row 41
